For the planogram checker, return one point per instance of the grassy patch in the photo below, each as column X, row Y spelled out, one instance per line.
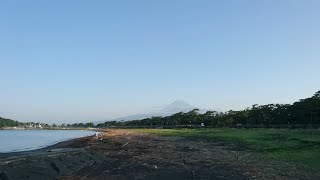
column 301, row 147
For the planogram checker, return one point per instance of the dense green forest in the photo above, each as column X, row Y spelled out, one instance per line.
column 305, row 112
column 8, row 122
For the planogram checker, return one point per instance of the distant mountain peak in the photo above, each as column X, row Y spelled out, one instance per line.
column 177, row 106
column 179, row 102
column 174, row 107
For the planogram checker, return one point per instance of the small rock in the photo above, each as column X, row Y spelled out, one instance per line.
column 55, row 167
column 246, row 173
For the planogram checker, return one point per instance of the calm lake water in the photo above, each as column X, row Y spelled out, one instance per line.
column 24, row 140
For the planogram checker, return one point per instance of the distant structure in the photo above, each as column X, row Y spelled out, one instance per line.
column 30, row 125
column 33, row 126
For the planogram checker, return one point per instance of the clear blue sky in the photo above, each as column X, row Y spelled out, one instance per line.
column 76, row 60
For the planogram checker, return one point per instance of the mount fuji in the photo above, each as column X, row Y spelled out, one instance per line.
column 175, row 107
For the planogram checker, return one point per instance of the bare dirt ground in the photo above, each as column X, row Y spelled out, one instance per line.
column 124, row 154
column 129, row 155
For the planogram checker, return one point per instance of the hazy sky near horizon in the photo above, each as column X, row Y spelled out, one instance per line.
column 76, row 60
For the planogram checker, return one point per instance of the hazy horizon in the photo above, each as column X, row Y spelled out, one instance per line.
column 80, row 61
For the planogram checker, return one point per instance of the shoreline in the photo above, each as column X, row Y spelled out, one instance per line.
column 59, row 145
column 47, row 163
column 45, row 146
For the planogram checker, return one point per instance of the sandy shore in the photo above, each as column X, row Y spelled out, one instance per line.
column 124, row 154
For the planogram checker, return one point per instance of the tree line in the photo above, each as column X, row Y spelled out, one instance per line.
column 305, row 112
column 12, row 123
column 79, row 125
column 8, row 122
